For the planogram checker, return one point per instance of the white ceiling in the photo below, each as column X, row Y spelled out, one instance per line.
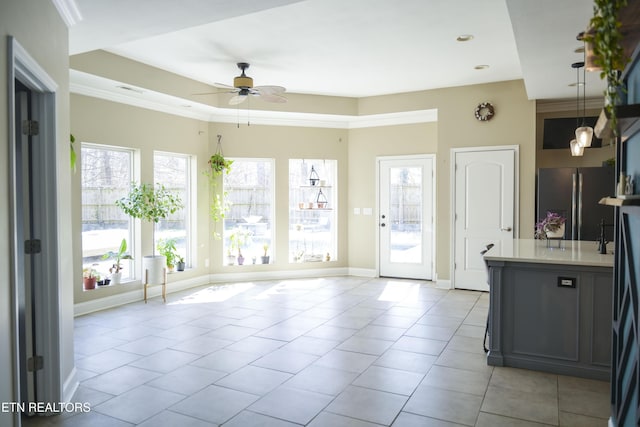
column 351, row 48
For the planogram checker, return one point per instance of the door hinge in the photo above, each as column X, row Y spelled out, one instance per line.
column 35, row 363
column 33, row 246
column 30, row 127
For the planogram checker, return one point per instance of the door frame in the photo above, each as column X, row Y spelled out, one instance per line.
column 24, row 68
column 452, row 201
column 434, row 186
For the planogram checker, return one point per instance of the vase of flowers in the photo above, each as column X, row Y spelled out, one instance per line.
column 551, row 226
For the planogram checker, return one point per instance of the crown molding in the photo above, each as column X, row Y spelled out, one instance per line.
column 98, row 87
column 69, row 11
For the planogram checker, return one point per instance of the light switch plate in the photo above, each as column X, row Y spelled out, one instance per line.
column 367, row 211
column 356, row 211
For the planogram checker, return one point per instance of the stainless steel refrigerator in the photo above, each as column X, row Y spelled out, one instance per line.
column 574, row 193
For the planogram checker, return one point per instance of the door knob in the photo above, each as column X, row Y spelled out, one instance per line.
column 506, row 229
column 383, row 224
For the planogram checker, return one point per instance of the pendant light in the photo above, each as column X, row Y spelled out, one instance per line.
column 584, row 134
column 576, row 149
column 574, row 145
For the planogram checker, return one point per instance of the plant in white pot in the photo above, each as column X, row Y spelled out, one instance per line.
column 151, row 204
column 117, row 257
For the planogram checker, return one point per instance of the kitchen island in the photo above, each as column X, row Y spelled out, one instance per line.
column 550, row 307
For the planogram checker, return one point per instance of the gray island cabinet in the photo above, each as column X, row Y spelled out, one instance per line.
column 550, row 307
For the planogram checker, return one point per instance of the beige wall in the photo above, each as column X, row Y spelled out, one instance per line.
column 364, row 146
column 513, row 124
column 109, row 123
column 37, row 26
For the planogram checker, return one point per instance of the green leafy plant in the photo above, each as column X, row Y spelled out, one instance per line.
column 219, row 204
column 552, row 223
column 238, row 239
column 605, row 37
column 150, row 204
column 117, row 257
column 167, row 248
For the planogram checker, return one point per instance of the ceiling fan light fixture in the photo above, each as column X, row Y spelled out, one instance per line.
column 243, row 82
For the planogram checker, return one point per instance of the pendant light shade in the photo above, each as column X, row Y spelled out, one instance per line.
column 576, row 149
column 584, row 135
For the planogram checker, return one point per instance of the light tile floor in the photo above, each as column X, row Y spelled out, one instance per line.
column 324, row 352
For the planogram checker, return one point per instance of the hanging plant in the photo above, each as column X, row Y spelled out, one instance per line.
column 219, row 203
column 605, row 38
column 219, row 165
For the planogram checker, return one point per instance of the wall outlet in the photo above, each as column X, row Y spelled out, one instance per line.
column 566, row 282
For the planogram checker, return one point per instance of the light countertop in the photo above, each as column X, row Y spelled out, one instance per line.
column 570, row 252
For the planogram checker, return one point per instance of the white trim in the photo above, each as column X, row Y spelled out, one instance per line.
column 70, row 386
column 452, row 192
column 362, row 272
column 98, row 87
column 444, row 284
column 69, row 11
column 22, row 67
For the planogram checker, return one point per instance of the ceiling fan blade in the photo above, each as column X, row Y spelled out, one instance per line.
column 216, row 93
column 224, row 86
column 269, row 97
column 237, row 99
column 269, row 90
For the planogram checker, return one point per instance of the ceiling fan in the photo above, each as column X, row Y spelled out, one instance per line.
column 243, row 87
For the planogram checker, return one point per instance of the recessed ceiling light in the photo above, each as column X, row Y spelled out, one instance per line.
column 481, row 67
column 574, row 84
column 579, row 49
column 464, row 37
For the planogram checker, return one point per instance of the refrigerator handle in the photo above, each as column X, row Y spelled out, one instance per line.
column 579, row 224
column 574, row 206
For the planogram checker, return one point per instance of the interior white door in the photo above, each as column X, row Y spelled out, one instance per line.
column 484, row 211
column 406, row 217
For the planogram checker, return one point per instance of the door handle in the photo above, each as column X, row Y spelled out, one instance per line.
column 506, row 229
column 383, row 224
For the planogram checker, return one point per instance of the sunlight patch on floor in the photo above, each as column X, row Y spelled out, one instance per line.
column 399, row 291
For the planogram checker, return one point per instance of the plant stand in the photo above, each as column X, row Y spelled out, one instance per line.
column 164, row 284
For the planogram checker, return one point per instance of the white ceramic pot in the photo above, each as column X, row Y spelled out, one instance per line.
column 116, row 278
column 558, row 234
column 154, row 266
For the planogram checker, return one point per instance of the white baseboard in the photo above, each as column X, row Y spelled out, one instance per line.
column 363, row 272
column 181, row 285
column 444, row 284
column 70, row 385
column 137, row 295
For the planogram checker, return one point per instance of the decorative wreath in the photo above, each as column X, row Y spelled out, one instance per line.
column 484, row 111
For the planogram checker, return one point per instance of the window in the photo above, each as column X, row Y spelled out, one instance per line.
column 174, row 172
column 106, row 176
column 248, row 225
column 312, row 207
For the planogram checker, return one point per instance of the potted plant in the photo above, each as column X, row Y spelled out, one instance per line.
column 151, row 204
column 605, row 53
column 180, row 265
column 89, row 278
column 167, row 248
column 265, row 257
column 237, row 240
column 116, row 269
column 551, row 226
column 219, row 204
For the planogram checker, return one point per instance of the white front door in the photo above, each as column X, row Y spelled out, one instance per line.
column 484, row 210
column 406, row 217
